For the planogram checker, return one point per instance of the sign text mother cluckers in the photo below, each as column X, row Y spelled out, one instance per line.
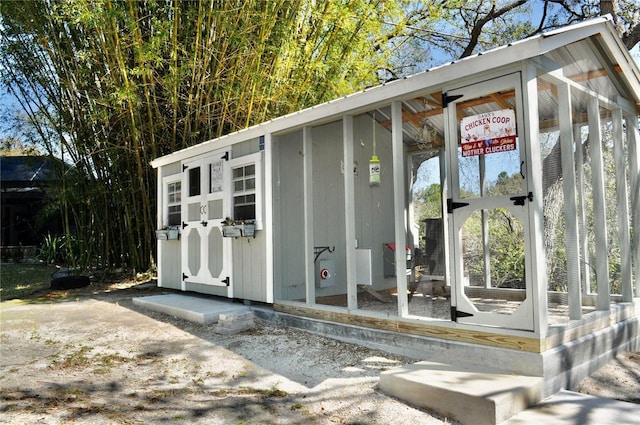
column 488, row 133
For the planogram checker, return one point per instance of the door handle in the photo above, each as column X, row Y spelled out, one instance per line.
column 519, row 200
column 454, row 205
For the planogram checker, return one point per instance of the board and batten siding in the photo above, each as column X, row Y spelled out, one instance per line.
column 169, row 252
column 248, row 254
column 288, row 217
column 374, row 205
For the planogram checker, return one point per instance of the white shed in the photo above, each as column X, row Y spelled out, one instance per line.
column 532, row 147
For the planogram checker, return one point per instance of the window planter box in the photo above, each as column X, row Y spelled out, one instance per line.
column 247, row 230
column 168, row 234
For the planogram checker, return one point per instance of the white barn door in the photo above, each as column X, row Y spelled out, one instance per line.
column 206, row 254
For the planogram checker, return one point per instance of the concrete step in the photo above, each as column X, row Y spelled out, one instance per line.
column 570, row 408
column 465, row 393
column 196, row 309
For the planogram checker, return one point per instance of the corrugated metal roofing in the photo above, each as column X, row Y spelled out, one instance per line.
column 20, row 170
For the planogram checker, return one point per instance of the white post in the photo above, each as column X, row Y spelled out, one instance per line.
column 485, row 224
column 399, row 207
column 570, row 207
column 536, row 273
column 349, row 212
column 309, row 266
column 582, row 218
column 159, row 223
column 268, row 215
column 599, row 205
column 623, row 209
column 633, row 142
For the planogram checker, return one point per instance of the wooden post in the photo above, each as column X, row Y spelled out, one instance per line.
column 309, row 266
column 599, row 205
column 349, row 212
column 623, row 208
column 570, row 206
column 268, row 215
column 399, row 207
column 633, row 141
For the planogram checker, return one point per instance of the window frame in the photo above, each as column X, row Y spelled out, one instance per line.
column 254, row 159
column 166, row 182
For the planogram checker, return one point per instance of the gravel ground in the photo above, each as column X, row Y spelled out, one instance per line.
column 91, row 356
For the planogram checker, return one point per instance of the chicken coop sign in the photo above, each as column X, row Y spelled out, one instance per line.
column 487, row 133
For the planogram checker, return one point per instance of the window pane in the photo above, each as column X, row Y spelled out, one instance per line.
column 174, row 215
column 194, row 181
column 244, row 212
column 244, row 181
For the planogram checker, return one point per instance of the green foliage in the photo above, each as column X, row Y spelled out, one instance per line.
column 52, row 250
column 428, row 202
column 111, row 85
column 66, row 250
column 506, row 248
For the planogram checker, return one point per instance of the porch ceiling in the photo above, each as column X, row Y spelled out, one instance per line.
column 584, row 62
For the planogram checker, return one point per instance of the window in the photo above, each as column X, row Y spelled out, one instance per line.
column 244, row 192
column 194, row 181
column 174, row 201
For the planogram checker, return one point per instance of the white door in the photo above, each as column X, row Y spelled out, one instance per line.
column 206, row 254
column 488, row 204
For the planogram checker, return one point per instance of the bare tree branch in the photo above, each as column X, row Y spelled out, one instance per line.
column 494, row 13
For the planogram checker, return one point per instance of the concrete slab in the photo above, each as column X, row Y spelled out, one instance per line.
column 196, row 309
column 571, row 408
column 467, row 393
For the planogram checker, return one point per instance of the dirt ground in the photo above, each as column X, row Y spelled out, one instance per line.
column 90, row 356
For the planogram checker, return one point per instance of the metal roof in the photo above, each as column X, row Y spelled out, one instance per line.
column 23, row 171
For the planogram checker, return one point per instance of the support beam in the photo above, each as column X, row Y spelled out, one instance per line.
column 268, row 215
column 309, row 266
column 399, row 207
column 159, row 224
column 623, row 208
column 570, row 205
column 599, row 205
column 349, row 213
column 484, row 217
column 582, row 217
column 536, row 273
column 633, row 151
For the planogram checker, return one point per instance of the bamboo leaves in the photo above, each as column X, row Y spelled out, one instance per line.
column 124, row 82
